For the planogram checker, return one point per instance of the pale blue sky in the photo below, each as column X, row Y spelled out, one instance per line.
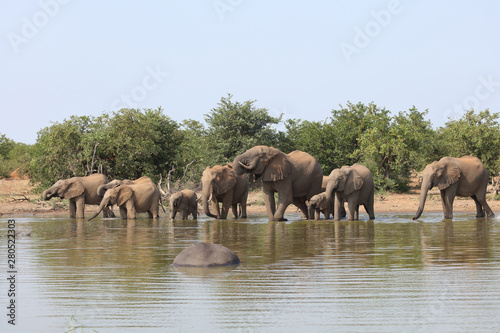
column 301, row 58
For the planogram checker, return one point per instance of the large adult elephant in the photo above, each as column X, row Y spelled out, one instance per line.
column 80, row 191
column 138, row 196
column 353, row 184
column 465, row 176
column 223, row 186
column 296, row 177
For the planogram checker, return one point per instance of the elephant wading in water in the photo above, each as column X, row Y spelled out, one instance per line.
column 138, row 196
column 353, row 184
column 224, row 186
column 465, row 177
column 185, row 202
column 296, row 177
column 80, row 191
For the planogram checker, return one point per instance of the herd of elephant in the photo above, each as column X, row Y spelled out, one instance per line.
column 297, row 177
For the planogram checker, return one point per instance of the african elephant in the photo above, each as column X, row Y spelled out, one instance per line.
column 319, row 203
column 185, row 202
column 80, row 191
column 206, row 255
column 353, row 184
column 465, row 176
column 296, row 177
column 141, row 196
column 224, row 186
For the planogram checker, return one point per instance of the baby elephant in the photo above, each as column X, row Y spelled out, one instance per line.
column 185, row 202
column 319, row 203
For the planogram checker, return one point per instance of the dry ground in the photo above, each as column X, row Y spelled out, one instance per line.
column 17, row 198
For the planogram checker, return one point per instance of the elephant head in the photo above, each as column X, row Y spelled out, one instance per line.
column 118, row 195
column 442, row 174
column 317, row 201
column 64, row 189
column 345, row 179
column 175, row 203
column 216, row 181
column 268, row 162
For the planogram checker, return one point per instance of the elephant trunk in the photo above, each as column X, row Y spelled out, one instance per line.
column 47, row 195
column 423, row 196
column 241, row 165
column 330, row 188
column 103, row 204
column 101, row 190
column 205, row 198
column 311, row 210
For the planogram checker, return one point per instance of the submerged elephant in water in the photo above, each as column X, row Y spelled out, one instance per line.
column 206, row 255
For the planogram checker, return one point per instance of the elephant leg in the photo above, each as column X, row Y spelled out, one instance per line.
column 449, row 197
column 123, row 212
column 150, row 214
column 195, row 214
column 131, row 212
column 316, row 214
column 72, row 208
column 303, row 207
column 270, row 204
column 234, row 209
column 484, row 204
column 351, row 203
column 80, row 206
column 369, row 206
column 243, row 208
column 173, row 212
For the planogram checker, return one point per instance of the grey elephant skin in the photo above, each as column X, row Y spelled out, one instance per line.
column 80, row 191
column 224, row 187
column 206, row 255
column 185, row 203
column 465, row 176
column 354, row 185
column 138, row 196
column 319, row 203
column 296, row 177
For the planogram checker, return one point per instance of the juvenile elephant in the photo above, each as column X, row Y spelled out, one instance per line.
column 141, row 196
column 223, row 186
column 319, row 203
column 80, row 191
column 353, row 184
column 465, row 176
column 296, row 177
column 185, row 202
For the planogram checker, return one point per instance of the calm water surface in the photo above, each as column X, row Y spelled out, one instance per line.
column 387, row 275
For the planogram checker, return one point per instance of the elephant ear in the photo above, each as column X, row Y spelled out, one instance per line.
column 72, row 189
column 278, row 168
column 124, row 194
column 226, row 181
column 353, row 182
column 451, row 174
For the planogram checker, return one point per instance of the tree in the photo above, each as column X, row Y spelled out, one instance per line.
column 127, row 144
column 395, row 146
column 13, row 156
column 476, row 134
column 234, row 127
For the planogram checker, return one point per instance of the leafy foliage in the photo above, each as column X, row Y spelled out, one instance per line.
column 476, row 134
column 130, row 143
column 234, row 127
